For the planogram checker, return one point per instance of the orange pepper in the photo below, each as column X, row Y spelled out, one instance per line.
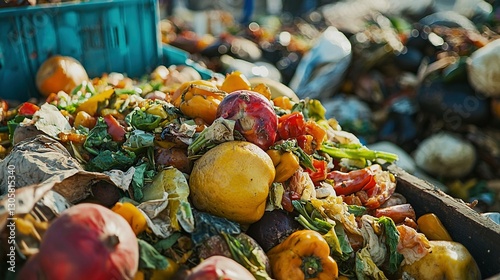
column 90, row 105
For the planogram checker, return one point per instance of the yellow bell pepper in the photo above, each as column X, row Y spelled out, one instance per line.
column 91, row 104
column 430, row 225
column 132, row 214
column 157, row 110
column 167, row 273
column 264, row 90
column 283, row 102
column 285, row 163
column 305, row 254
column 235, row 81
column 158, row 274
column 139, row 275
column 199, row 99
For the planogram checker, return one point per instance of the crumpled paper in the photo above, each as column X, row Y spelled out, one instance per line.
column 41, row 164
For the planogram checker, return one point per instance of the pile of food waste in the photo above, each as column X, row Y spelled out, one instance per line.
column 178, row 177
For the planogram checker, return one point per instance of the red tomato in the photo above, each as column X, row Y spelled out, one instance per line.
column 291, row 125
column 27, row 109
column 115, row 129
column 321, row 170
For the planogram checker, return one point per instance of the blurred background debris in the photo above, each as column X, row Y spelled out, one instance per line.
column 410, row 77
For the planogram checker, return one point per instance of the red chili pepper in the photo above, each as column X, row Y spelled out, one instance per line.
column 321, row 170
column 291, row 125
column 347, row 183
column 27, row 109
column 115, row 129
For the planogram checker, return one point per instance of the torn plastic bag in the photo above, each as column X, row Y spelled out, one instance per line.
column 321, row 70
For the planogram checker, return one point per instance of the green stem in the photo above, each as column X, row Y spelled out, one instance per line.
column 308, row 222
column 323, row 226
column 241, row 254
column 92, row 151
column 304, row 158
column 199, row 143
column 129, row 91
column 311, row 267
column 76, row 89
column 305, row 223
column 357, row 153
column 291, row 145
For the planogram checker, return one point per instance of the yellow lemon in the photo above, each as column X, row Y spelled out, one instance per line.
column 232, row 180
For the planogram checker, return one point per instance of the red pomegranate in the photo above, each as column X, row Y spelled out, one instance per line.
column 87, row 241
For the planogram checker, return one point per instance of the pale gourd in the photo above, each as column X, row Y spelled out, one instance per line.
column 483, row 68
column 447, row 260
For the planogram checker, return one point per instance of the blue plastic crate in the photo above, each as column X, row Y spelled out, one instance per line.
column 105, row 36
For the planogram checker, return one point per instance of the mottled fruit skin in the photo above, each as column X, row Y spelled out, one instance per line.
column 254, row 115
column 232, row 181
